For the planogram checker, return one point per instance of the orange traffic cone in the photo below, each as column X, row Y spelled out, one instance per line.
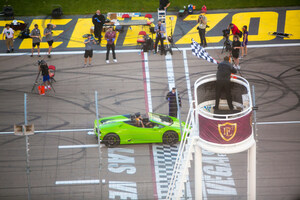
column 41, row 89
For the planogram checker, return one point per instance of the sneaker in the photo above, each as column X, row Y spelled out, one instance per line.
column 84, row 66
column 49, row 56
column 107, row 61
column 238, row 67
column 12, row 50
column 49, row 88
column 115, row 60
column 241, row 57
column 154, row 52
column 90, row 65
column 39, row 55
column 31, row 55
column 7, row 51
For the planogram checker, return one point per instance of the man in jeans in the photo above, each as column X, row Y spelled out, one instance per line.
column 36, row 39
column 223, row 82
column 9, row 38
column 88, row 50
column 202, row 20
column 49, row 38
column 110, row 37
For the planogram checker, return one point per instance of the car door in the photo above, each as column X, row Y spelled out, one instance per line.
column 148, row 135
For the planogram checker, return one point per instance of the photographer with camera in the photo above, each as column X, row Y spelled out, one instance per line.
column 48, row 34
column 160, row 30
column 88, row 53
column 43, row 67
column 234, row 29
column 110, row 36
column 202, row 20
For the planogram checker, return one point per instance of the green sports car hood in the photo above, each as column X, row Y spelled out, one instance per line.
column 112, row 119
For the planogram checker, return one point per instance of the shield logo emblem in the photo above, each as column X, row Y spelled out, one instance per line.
column 227, row 130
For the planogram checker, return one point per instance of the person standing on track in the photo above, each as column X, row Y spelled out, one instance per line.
column 236, row 46
column 202, row 20
column 98, row 21
column 245, row 41
column 160, row 30
column 164, row 4
column 43, row 67
column 88, row 50
column 9, row 38
column 223, row 82
column 36, row 39
column 49, row 38
column 173, row 106
column 110, row 36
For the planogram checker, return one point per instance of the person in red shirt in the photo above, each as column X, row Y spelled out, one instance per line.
column 234, row 29
column 110, row 37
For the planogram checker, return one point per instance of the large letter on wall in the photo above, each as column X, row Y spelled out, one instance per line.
column 267, row 23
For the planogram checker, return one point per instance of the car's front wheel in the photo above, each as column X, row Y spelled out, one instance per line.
column 170, row 137
column 111, row 140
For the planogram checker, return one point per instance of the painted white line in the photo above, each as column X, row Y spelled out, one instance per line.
column 283, row 122
column 170, row 72
column 54, row 131
column 147, row 74
column 136, row 50
column 78, row 182
column 78, row 146
column 187, row 76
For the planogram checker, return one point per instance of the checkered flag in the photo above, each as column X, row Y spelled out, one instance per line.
column 201, row 53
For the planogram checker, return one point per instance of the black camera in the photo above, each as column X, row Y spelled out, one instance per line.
column 41, row 62
column 226, row 32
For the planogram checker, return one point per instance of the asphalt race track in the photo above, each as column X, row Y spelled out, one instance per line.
column 68, row 165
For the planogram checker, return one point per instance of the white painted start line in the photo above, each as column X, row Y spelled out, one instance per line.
column 136, row 50
column 78, row 146
column 77, row 182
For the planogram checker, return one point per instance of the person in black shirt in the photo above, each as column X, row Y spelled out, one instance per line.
column 98, row 21
column 223, row 82
column 236, row 46
column 164, row 4
column 171, row 97
column 43, row 67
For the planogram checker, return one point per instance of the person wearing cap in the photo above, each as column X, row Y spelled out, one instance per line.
column 160, row 30
column 49, row 38
column 173, row 106
column 88, row 50
column 202, row 20
column 110, row 37
column 9, row 38
column 36, row 39
column 98, row 21
column 225, row 69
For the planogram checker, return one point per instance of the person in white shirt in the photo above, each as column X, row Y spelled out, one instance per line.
column 9, row 38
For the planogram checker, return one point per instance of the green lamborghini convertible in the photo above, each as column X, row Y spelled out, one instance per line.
column 125, row 129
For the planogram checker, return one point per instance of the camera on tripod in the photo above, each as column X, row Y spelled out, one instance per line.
column 41, row 62
column 226, row 33
column 227, row 45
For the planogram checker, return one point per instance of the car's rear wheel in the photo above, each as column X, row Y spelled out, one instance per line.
column 170, row 137
column 111, row 140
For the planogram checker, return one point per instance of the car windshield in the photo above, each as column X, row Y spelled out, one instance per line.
column 161, row 119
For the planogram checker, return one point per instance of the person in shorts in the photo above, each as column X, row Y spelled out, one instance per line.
column 49, row 38
column 9, row 38
column 36, row 39
column 245, row 41
column 43, row 67
column 236, row 46
column 88, row 50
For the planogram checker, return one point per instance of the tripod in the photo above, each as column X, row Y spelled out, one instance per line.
column 36, row 83
column 171, row 41
column 226, row 45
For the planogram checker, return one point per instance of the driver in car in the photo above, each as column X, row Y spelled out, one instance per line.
column 139, row 120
